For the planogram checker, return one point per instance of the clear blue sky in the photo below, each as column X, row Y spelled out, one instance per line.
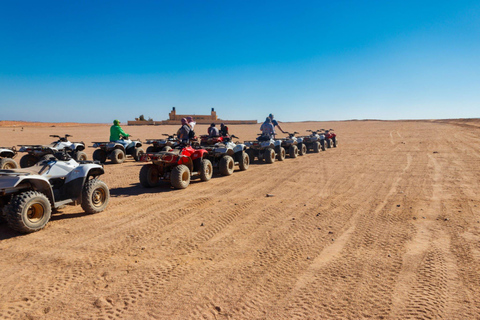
column 94, row 61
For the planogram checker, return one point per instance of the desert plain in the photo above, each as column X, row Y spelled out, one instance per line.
column 385, row 226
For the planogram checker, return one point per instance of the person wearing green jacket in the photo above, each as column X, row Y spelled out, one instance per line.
column 116, row 133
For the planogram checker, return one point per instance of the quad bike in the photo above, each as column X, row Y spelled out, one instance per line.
column 162, row 144
column 226, row 154
column 6, row 158
column 265, row 148
column 36, row 153
column 28, row 196
column 117, row 152
column 291, row 144
column 177, row 165
column 314, row 142
column 206, row 140
column 330, row 139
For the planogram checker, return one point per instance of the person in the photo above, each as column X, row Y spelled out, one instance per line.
column 275, row 123
column 213, row 131
column 190, row 121
column 183, row 133
column 223, row 130
column 267, row 128
column 116, row 133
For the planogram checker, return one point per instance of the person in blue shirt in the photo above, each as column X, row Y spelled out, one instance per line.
column 275, row 123
column 268, row 130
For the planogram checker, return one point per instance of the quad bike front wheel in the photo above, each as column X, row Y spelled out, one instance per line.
column 244, row 162
column 281, row 154
column 27, row 160
column 322, row 143
column 226, row 166
column 329, row 143
column 302, row 149
column 334, row 140
column 95, row 196
column 7, row 164
column 139, row 152
column 28, row 212
column 293, row 151
column 269, row 155
column 149, row 176
column 100, row 155
column 117, row 156
column 180, row 177
column 206, row 170
column 316, row 147
column 251, row 155
column 80, row 156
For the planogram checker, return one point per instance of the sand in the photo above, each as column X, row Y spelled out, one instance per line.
column 385, row 226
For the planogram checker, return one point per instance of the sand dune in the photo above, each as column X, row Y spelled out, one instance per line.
column 386, row 226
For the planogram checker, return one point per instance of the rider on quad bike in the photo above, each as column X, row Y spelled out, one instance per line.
column 116, row 133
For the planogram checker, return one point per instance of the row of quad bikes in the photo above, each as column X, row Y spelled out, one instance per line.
column 180, row 163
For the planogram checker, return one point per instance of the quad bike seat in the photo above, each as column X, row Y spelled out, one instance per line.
column 37, row 169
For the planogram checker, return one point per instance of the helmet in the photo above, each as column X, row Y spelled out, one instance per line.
column 270, row 115
column 184, row 121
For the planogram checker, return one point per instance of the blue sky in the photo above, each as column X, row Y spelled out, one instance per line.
column 94, row 61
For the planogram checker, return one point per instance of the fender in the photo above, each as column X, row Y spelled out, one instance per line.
column 19, row 179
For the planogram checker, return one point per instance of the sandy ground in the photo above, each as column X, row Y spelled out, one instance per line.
column 386, row 226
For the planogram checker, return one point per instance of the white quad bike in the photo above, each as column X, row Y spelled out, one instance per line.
column 36, row 153
column 117, row 152
column 265, row 148
column 291, row 144
column 6, row 158
column 166, row 144
column 315, row 141
column 226, row 154
column 28, row 196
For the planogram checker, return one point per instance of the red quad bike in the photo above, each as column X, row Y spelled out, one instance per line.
column 177, row 165
column 330, row 139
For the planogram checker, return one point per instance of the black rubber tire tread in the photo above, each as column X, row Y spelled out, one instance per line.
column 322, row 142
column 138, row 153
column 27, row 160
column 117, row 156
column 15, row 214
column 7, row 164
column 176, row 177
column 226, row 166
column 251, row 155
column 281, row 154
column 293, row 151
column 80, row 156
column 269, row 155
column 88, row 193
column 206, row 170
column 334, row 139
column 302, row 149
column 316, row 147
column 100, row 155
column 329, row 143
column 244, row 162
column 149, row 176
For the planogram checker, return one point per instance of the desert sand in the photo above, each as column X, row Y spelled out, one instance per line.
column 385, row 226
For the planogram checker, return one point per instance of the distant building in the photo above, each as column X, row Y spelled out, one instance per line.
column 174, row 118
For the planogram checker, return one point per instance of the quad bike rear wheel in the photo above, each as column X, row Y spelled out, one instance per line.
column 138, row 153
column 95, row 196
column 206, row 170
column 151, row 149
column 269, row 155
column 28, row 160
column 7, row 164
column 302, row 149
column 80, row 156
column 334, row 139
column 293, row 151
column 244, row 162
column 100, row 155
column 149, row 176
column 180, row 177
column 316, row 147
column 226, row 166
column 28, row 212
column 117, row 156
column 329, row 143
